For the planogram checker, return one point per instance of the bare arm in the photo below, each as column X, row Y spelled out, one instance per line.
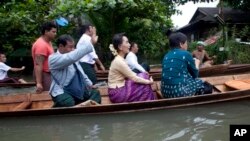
column 94, row 37
column 206, row 56
column 100, row 64
column 194, row 54
column 17, row 69
column 39, row 60
column 95, row 67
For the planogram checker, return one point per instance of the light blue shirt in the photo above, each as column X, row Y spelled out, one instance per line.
column 62, row 69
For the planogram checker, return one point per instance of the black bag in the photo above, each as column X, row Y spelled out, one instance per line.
column 208, row 88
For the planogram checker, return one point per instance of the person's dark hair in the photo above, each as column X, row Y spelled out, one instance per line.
column 2, row 53
column 132, row 45
column 48, row 26
column 63, row 40
column 168, row 32
column 176, row 38
column 117, row 40
column 84, row 28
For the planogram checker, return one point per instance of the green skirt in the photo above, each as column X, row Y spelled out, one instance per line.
column 89, row 70
column 67, row 100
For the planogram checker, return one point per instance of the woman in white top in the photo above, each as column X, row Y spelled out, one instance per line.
column 124, row 84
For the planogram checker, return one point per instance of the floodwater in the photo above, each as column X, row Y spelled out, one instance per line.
column 199, row 123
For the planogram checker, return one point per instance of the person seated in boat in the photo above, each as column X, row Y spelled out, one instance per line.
column 201, row 54
column 4, row 70
column 124, row 85
column 132, row 60
column 179, row 73
column 70, row 85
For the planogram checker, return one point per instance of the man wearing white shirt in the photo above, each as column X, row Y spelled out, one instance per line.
column 132, row 60
column 88, row 61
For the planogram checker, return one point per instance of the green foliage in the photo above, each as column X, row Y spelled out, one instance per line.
column 244, row 34
column 195, row 1
column 19, row 22
column 234, row 51
column 144, row 21
column 242, row 4
column 239, row 53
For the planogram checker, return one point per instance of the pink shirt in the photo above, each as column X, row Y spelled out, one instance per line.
column 41, row 47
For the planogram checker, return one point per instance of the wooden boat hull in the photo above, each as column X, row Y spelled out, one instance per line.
column 215, row 70
column 40, row 104
column 18, row 85
column 136, row 106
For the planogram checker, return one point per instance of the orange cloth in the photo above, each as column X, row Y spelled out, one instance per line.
column 41, row 47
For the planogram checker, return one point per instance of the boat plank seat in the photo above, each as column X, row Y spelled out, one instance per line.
column 159, row 94
column 217, row 80
column 222, row 88
column 22, row 106
column 239, row 84
column 154, row 87
column 102, row 78
column 46, row 104
column 242, row 76
column 105, row 100
column 103, row 91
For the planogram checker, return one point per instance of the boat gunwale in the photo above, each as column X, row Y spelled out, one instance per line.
column 136, row 106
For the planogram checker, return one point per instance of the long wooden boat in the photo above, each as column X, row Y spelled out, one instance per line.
column 18, row 85
column 215, row 70
column 28, row 104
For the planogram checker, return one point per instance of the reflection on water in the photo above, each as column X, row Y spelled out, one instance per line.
column 200, row 123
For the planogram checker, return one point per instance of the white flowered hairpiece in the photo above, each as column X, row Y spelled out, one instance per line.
column 113, row 50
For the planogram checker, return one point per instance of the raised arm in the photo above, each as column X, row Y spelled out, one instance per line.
column 63, row 60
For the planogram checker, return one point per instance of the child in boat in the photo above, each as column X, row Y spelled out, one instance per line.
column 201, row 54
column 179, row 73
column 5, row 68
column 124, row 84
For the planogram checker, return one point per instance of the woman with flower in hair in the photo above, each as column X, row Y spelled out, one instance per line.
column 124, row 84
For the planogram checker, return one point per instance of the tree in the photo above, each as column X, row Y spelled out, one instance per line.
column 144, row 21
column 185, row 1
column 238, row 4
column 19, row 22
